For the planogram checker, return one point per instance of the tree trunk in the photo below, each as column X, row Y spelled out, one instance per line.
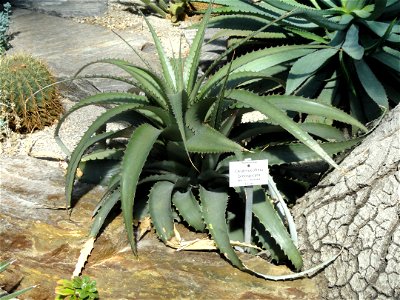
column 359, row 210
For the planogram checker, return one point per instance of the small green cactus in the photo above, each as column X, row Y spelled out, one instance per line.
column 25, row 102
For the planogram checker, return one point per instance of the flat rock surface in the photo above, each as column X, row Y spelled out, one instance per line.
column 46, row 242
column 67, row 45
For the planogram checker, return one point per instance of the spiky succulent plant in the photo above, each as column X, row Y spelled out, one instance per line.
column 78, row 288
column 177, row 139
column 175, row 8
column 359, row 67
column 27, row 103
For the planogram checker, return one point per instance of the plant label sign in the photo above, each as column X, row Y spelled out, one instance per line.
column 248, row 173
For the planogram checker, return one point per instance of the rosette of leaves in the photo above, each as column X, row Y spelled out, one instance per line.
column 78, row 288
column 358, row 72
column 177, row 138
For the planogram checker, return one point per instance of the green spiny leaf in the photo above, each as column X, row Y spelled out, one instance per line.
column 268, row 217
column 167, row 68
column 137, row 151
column 298, row 104
column 160, row 209
column 324, row 131
column 351, row 45
column 103, row 212
column 150, row 83
column 267, row 242
column 113, row 185
column 192, row 61
column 103, row 98
column 103, row 154
column 5, row 264
column 214, row 206
column 17, row 293
column 203, row 133
column 306, row 66
column 282, row 119
column 291, row 153
column 76, row 155
column 200, row 142
column 189, row 209
column 371, row 84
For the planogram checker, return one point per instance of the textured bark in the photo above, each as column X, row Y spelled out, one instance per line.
column 358, row 210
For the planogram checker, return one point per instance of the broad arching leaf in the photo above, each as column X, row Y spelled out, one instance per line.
column 192, row 62
column 265, row 212
column 277, row 116
column 137, row 151
column 168, row 71
column 103, row 212
column 261, row 60
column 214, row 206
column 87, row 140
column 160, row 209
column 371, row 84
column 306, row 66
column 299, row 104
column 292, row 153
column 189, row 208
column 147, row 81
column 351, row 45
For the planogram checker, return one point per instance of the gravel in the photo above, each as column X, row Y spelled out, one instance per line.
column 127, row 16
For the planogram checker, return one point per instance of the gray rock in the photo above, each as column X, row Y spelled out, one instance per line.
column 65, row 8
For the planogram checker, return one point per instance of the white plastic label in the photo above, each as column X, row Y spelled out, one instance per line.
column 248, row 173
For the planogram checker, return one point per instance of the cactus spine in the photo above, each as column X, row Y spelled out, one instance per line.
column 26, row 103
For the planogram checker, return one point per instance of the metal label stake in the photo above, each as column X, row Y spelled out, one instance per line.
column 248, row 173
column 248, row 215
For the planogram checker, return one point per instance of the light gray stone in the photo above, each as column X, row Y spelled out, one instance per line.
column 65, row 8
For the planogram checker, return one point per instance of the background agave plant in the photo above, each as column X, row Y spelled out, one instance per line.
column 175, row 8
column 359, row 67
column 169, row 161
